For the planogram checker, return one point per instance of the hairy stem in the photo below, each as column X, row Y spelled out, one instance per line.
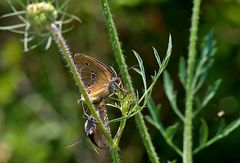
column 69, row 60
column 127, row 80
column 187, row 142
column 115, row 155
column 120, row 131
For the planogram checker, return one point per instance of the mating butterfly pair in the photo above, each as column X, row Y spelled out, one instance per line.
column 100, row 83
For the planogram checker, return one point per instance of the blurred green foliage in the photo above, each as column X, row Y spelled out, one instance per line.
column 39, row 113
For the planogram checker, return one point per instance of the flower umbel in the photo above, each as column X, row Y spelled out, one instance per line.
column 41, row 15
column 35, row 20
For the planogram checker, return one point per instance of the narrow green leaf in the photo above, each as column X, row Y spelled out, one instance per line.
column 70, row 15
column 211, row 92
column 12, row 27
column 171, row 95
column 208, row 96
column 137, row 70
column 12, row 14
column 15, row 10
column 140, row 62
column 182, row 71
column 168, row 86
column 173, row 161
column 157, row 56
column 151, row 121
column 154, row 109
column 231, row 127
column 203, row 133
column 225, row 132
column 169, row 52
column 221, row 127
column 171, row 130
column 205, row 61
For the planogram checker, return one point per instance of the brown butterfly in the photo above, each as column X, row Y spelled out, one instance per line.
column 93, row 131
column 100, row 82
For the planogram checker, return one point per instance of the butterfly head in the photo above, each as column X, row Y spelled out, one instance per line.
column 115, row 84
column 90, row 125
column 94, row 133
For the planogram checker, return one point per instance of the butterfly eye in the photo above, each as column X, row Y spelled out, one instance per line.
column 86, row 63
column 89, row 92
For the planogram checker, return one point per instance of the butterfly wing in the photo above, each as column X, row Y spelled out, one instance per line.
column 95, row 76
column 93, row 131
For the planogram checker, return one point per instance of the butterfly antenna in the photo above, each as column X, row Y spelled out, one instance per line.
column 114, row 72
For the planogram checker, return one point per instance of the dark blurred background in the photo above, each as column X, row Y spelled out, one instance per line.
column 39, row 113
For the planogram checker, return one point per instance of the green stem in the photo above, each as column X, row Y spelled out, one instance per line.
column 115, row 156
column 127, row 80
column 116, row 46
column 68, row 58
column 120, row 131
column 187, row 142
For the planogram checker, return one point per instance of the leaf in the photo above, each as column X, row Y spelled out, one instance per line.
column 10, row 27
column 168, row 86
column 221, row 127
column 12, row 14
column 137, row 70
column 225, row 132
column 142, row 70
column 151, row 121
column 157, row 56
column 203, row 133
column 154, row 109
column 205, row 61
column 208, row 96
column 211, row 92
column 171, row 130
column 173, row 161
column 231, row 127
column 171, row 95
column 169, row 52
column 182, row 71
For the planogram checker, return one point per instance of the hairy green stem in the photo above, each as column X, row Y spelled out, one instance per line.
column 187, row 142
column 120, row 131
column 68, row 58
column 116, row 46
column 127, row 80
column 115, row 155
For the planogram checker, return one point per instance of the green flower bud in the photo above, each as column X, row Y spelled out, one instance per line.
column 41, row 15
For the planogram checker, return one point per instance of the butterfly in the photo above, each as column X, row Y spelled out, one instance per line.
column 93, row 131
column 99, row 80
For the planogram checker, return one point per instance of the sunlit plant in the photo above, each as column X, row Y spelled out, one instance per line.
column 44, row 20
column 35, row 19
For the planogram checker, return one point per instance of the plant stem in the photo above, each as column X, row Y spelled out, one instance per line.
column 187, row 142
column 116, row 46
column 127, row 80
column 115, row 156
column 69, row 60
column 120, row 131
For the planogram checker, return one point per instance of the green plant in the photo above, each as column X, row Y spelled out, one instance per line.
column 41, row 17
column 192, row 78
column 40, row 20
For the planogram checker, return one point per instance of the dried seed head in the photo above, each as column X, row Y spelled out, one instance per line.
column 41, row 15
